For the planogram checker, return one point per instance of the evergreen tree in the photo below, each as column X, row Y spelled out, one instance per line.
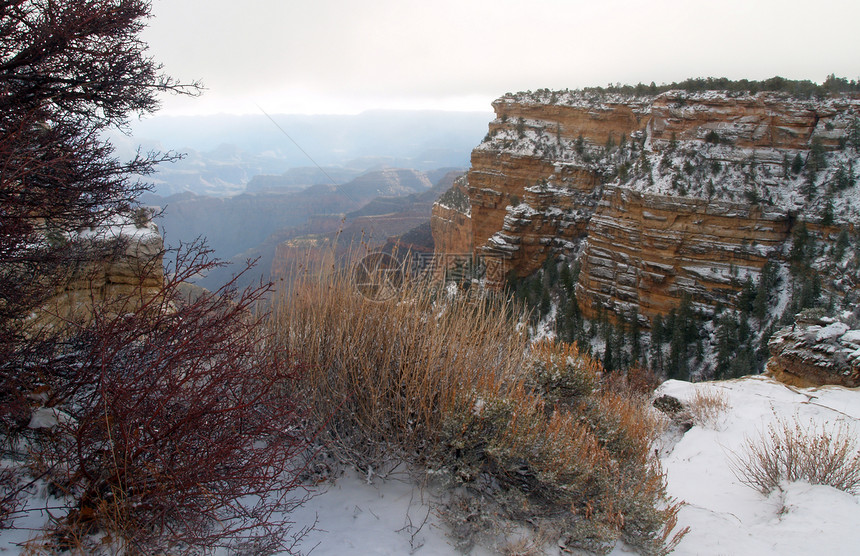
column 657, row 339
column 566, row 278
column 682, row 330
column 810, row 291
column 521, row 128
column 619, row 336
column 743, row 363
column 808, row 187
column 673, row 142
column 545, row 302
column 727, row 343
column 551, row 271
column 797, row 164
column 817, row 160
column 766, row 282
column 802, row 249
column 854, row 133
column 841, row 245
column 608, row 362
column 678, row 365
column 827, row 212
column 747, row 296
column 635, row 339
column 579, row 145
column 844, row 177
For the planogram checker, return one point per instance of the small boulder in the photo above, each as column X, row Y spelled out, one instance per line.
column 669, row 405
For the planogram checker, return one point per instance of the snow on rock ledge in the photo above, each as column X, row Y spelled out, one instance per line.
column 129, row 273
column 814, row 352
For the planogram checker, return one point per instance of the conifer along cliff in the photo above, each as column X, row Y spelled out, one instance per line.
column 662, row 197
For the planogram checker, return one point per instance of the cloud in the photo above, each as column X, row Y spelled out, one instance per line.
column 372, row 50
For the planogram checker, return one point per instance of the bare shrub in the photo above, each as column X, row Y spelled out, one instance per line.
column 182, row 434
column 10, row 495
column 822, row 454
column 71, row 70
column 707, row 406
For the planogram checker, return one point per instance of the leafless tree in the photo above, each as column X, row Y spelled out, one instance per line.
column 181, row 433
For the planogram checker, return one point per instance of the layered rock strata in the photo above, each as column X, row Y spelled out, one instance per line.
column 645, row 251
column 816, row 352
column 658, row 196
column 128, row 275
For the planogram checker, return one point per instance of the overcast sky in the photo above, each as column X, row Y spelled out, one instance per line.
column 345, row 56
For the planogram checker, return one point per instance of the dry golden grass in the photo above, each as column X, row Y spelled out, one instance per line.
column 382, row 374
column 707, row 406
column 625, row 423
column 589, row 452
column 449, row 383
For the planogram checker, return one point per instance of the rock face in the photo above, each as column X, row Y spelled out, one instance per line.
column 450, row 222
column 762, row 121
column 657, row 196
column 816, row 352
column 130, row 273
column 645, row 251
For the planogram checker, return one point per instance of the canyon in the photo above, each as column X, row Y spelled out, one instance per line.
column 659, row 197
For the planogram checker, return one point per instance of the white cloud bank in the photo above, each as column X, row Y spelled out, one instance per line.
column 349, row 55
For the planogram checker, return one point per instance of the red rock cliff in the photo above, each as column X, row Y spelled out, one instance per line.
column 658, row 196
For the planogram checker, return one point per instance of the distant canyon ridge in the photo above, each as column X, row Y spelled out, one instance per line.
column 249, row 185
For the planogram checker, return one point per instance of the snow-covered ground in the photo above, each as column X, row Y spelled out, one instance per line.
column 724, row 515
column 728, row 517
column 390, row 517
column 396, row 517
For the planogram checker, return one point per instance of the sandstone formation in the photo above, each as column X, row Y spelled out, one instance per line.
column 129, row 273
column 814, row 352
column 450, row 223
column 656, row 196
column 645, row 251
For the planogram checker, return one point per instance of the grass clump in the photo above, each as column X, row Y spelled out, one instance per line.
column 557, row 452
column 707, row 407
column 527, row 445
column 794, row 451
column 381, row 373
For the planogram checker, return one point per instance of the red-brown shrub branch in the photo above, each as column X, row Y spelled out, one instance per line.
column 183, row 433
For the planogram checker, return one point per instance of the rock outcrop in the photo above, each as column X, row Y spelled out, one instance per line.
column 450, row 221
column 127, row 274
column 657, row 196
column 816, row 351
column 645, row 251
